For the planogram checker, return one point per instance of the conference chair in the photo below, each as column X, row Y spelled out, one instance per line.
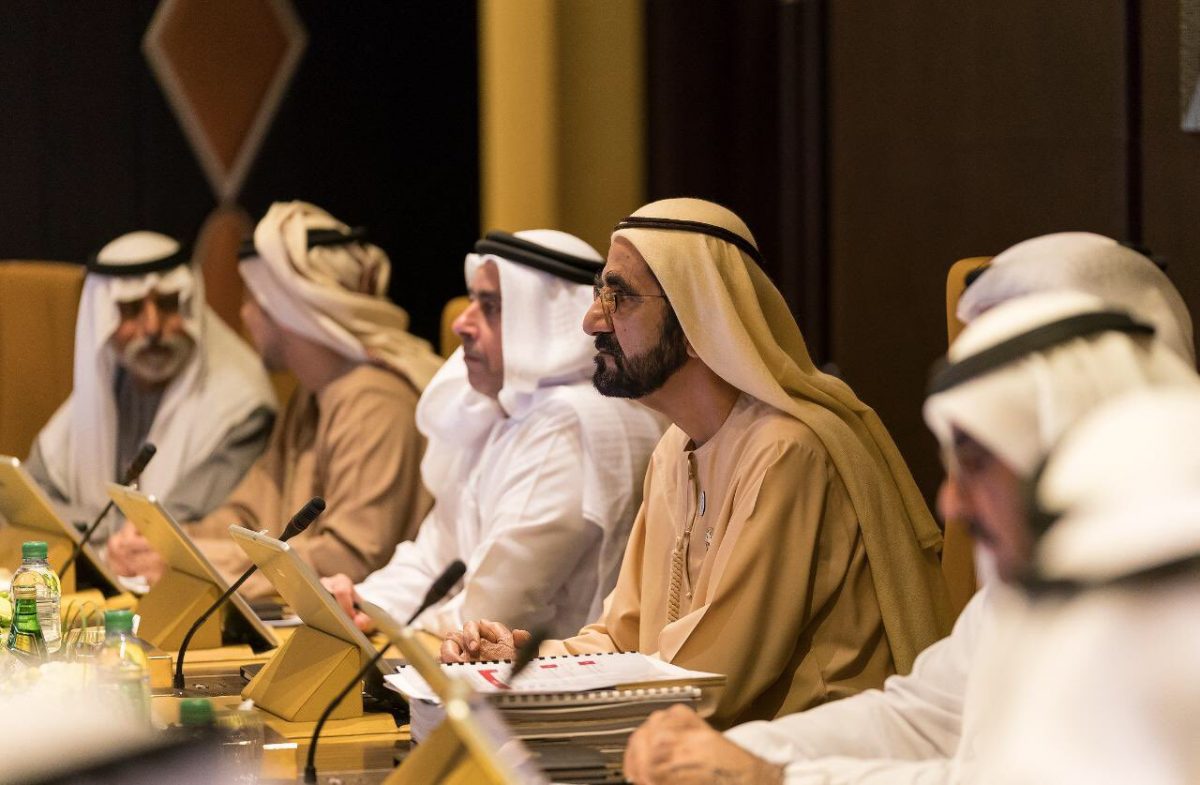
column 38, row 302
column 958, row 559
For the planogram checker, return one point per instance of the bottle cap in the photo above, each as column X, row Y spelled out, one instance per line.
column 196, row 712
column 118, row 621
column 34, row 549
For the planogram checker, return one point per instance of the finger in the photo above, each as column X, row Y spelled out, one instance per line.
column 632, row 763
column 680, row 717
column 496, row 651
column 496, row 632
column 364, row 622
column 339, row 586
column 471, row 637
column 521, row 637
column 651, row 757
column 450, row 652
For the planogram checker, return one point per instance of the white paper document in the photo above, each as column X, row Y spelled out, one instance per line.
column 545, row 675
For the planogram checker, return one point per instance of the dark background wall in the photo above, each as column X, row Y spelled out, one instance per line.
column 379, row 126
column 945, row 130
column 868, row 144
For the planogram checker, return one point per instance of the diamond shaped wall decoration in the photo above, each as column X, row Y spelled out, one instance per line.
column 225, row 66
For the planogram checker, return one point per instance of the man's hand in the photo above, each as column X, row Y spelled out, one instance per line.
column 676, row 746
column 483, row 640
column 342, row 589
column 129, row 553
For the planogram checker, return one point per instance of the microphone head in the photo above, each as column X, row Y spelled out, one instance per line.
column 527, row 653
column 450, row 576
column 303, row 519
column 139, row 463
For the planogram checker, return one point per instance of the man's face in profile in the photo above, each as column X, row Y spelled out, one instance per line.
column 150, row 340
column 639, row 341
column 265, row 333
column 479, row 329
column 984, row 493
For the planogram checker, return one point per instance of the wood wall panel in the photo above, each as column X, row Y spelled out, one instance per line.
column 955, row 130
column 1170, row 157
column 380, row 126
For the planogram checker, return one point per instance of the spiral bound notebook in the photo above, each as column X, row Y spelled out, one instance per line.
column 559, row 676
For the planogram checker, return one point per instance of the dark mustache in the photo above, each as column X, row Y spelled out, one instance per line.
column 606, row 342
column 977, row 530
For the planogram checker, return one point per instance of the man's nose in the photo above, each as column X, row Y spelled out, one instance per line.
column 464, row 325
column 151, row 319
column 952, row 503
column 595, row 319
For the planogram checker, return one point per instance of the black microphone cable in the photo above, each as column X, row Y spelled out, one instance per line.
column 299, row 522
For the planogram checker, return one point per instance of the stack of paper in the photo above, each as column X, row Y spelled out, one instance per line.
column 574, row 713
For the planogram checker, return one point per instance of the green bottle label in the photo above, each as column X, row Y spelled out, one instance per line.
column 25, row 635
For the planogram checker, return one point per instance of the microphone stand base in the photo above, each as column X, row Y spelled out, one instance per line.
column 170, row 608
column 305, row 675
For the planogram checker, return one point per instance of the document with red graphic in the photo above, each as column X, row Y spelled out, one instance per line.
column 558, row 675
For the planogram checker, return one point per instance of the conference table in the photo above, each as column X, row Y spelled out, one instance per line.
column 357, row 751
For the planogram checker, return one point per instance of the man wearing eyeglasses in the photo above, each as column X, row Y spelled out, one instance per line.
column 1018, row 377
column 781, row 540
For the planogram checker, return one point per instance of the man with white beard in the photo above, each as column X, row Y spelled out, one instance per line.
column 153, row 363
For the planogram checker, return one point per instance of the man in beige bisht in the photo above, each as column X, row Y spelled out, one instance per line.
column 317, row 307
column 781, row 540
column 1017, row 379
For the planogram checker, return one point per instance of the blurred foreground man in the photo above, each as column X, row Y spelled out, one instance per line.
column 152, row 363
column 1018, row 377
column 781, row 540
column 536, row 476
column 316, row 305
column 1101, row 677
column 1089, row 263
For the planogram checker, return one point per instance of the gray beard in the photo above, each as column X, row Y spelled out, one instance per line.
column 139, row 363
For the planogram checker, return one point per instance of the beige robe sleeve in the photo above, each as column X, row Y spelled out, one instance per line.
column 369, row 465
column 367, row 459
column 790, row 615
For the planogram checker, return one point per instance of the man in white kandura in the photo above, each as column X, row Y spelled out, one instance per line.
column 536, row 477
column 153, row 363
column 1099, row 681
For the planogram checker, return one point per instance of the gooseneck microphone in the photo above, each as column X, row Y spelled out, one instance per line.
column 131, row 476
column 299, row 522
column 526, row 653
column 439, row 589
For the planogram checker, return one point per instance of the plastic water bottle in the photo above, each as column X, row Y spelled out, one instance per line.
column 241, row 743
column 35, row 571
column 197, row 720
column 25, row 638
column 123, row 666
column 238, row 734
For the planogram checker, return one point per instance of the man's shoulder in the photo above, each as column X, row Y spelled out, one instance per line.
column 371, row 382
column 553, row 407
column 368, row 397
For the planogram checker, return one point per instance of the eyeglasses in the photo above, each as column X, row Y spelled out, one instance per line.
column 610, row 299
